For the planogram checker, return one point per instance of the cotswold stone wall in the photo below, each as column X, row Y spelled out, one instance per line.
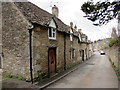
column 0, row 35
column 119, row 39
column 112, row 52
column 15, row 41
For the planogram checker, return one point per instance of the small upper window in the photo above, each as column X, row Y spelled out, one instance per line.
column 52, row 33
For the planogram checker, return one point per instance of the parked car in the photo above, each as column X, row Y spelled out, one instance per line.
column 102, row 52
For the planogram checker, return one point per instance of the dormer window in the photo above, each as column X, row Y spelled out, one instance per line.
column 52, row 30
column 52, row 33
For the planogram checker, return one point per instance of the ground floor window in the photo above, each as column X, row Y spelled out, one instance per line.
column 72, row 53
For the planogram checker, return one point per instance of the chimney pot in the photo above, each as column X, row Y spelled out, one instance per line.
column 55, row 11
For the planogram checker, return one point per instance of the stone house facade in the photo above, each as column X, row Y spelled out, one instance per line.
column 37, row 44
column 85, row 47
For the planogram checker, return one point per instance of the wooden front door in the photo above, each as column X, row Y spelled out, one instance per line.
column 52, row 60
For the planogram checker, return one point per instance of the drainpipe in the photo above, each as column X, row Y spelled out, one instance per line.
column 65, row 51
column 30, row 46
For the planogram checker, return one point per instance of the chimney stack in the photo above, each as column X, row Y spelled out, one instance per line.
column 71, row 24
column 55, row 11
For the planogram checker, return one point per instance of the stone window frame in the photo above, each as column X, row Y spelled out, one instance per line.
column 52, row 33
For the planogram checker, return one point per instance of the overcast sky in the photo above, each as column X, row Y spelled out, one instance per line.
column 69, row 11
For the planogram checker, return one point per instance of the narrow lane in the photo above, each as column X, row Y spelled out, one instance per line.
column 94, row 73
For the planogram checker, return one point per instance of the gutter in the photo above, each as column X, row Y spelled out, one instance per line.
column 64, row 51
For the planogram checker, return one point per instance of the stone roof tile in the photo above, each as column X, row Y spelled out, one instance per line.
column 37, row 15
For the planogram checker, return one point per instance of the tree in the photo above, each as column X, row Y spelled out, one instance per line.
column 101, row 12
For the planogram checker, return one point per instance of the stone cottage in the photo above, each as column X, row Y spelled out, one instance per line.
column 84, row 45
column 37, row 44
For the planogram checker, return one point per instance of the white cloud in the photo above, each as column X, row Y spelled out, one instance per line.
column 69, row 10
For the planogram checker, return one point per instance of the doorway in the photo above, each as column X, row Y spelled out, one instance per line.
column 82, row 55
column 52, row 60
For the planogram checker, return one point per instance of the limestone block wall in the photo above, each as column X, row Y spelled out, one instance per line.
column 68, row 61
column 112, row 52
column 76, row 47
column 0, row 35
column 15, row 41
column 119, row 40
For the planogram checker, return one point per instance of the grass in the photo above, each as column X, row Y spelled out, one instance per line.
column 113, row 42
column 11, row 76
column 21, row 78
column 8, row 76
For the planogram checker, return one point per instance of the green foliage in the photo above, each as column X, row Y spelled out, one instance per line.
column 21, row 78
column 15, row 77
column 113, row 42
column 43, row 75
column 102, row 12
column 7, row 76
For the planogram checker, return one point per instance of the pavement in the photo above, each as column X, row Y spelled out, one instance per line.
column 94, row 73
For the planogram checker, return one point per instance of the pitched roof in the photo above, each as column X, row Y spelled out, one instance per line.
column 37, row 15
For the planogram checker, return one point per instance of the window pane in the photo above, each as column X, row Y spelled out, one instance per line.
column 50, row 32
column 54, row 35
column 72, row 53
column 53, row 30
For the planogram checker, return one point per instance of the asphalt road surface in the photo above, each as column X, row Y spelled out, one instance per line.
column 94, row 73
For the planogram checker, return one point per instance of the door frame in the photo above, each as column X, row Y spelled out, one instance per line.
column 49, row 73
